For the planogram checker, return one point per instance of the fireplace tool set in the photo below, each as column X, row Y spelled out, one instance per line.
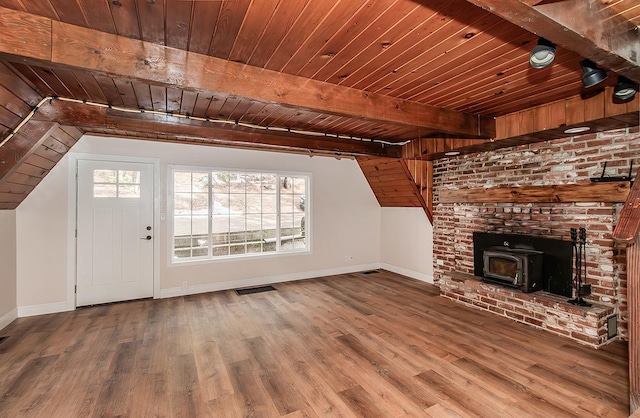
column 580, row 262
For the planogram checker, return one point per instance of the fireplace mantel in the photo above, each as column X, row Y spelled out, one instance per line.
column 614, row 192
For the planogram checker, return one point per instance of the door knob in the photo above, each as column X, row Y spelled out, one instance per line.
column 148, row 237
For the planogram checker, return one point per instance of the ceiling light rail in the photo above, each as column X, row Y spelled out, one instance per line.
column 191, row 117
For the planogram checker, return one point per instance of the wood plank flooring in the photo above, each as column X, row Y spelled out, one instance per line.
column 377, row 345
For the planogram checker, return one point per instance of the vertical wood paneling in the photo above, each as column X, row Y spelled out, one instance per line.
column 421, row 172
column 41, row 8
column 417, row 58
column 178, row 19
column 12, row 103
column 91, row 86
column 21, row 89
column 229, row 21
column 628, row 226
column 215, row 105
column 241, row 109
column 287, row 14
column 188, row 102
column 57, row 87
column 152, row 24
column 363, row 50
column 127, row 94
column 45, row 151
column 159, row 98
column 633, row 297
column 12, row 4
column 307, row 21
column 68, row 135
column 125, row 18
column 143, row 95
column 17, row 98
column 26, row 143
column 452, row 68
column 335, row 23
column 70, row 11
column 72, row 84
column 202, row 104
column 99, row 15
column 205, row 15
column 26, row 72
column 8, row 120
column 252, row 30
column 110, row 91
column 174, row 100
column 367, row 21
column 392, row 183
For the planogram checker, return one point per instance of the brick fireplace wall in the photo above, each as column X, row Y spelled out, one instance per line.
column 561, row 161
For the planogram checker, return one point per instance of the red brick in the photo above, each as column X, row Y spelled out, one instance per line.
column 529, row 164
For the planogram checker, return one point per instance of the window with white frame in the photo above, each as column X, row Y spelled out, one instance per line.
column 224, row 213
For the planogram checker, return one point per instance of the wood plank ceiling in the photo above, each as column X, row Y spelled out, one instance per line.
column 354, row 77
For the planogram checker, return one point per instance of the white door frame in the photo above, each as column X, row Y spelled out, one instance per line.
column 73, row 218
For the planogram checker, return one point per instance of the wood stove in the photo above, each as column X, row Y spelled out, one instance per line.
column 514, row 267
column 555, row 269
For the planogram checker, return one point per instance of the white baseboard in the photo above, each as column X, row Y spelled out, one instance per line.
column 47, row 308
column 8, row 318
column 261, row 281
column 409, row 273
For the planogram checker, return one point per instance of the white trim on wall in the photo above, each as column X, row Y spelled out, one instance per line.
column 47, row 308
column 409, row 273
column 261, row 281
column 8, row 318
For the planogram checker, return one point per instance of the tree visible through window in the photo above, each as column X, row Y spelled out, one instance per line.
column 229, row 213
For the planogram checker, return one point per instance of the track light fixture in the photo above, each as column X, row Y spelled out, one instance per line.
column 592, row 74
column 542, row 54
column 625, row 89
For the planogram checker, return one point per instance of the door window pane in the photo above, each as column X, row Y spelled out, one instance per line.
column 116, row 183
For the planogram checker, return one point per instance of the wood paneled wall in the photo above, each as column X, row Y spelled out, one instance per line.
column 47, row 143
column 627, row 233
column 393, row 184
column 633, row 295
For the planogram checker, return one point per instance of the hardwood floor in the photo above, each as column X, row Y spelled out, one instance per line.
column 377, row 345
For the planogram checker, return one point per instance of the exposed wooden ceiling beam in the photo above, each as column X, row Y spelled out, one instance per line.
column 91, row 117
column 45, row 42
column 588, row 28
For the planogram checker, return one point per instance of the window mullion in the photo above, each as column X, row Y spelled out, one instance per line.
column 278, row 214
column 210, row 217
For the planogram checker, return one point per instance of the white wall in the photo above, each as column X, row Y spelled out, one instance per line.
column 41, row 230
column 8, row 302
column 345, row 221
column 407, row 242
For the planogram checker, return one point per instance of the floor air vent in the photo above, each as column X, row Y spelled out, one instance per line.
column 370, row 272
column 252, row 290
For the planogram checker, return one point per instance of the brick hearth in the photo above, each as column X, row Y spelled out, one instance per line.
column 588, row 325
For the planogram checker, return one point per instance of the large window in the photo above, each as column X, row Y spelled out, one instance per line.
column 223, row 213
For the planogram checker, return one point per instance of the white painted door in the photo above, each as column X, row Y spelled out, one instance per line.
column 115, row 234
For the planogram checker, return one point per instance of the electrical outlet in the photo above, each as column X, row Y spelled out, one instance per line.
column 440, row 262
column 185, row 285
